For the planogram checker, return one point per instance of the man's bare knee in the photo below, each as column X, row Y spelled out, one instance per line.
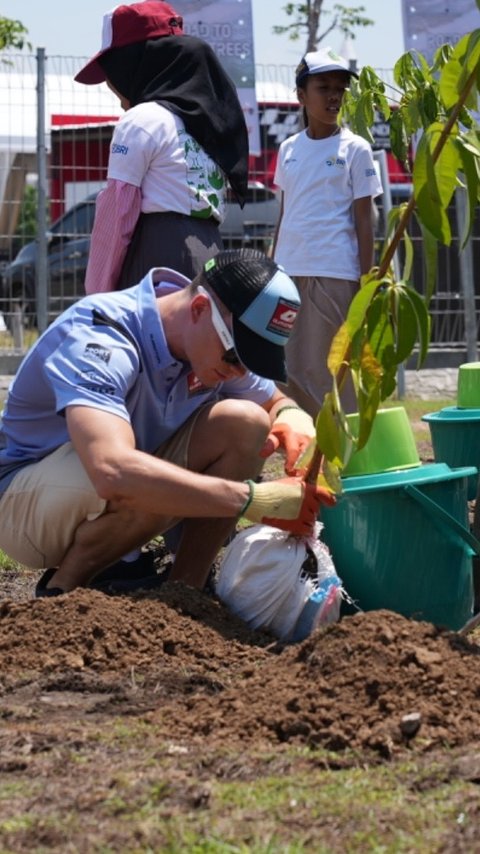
column 232, row 433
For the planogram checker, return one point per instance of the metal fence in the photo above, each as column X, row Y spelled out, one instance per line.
column 54, row 141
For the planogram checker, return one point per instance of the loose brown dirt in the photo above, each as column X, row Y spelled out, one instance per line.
column 102, row 693
column 98, row 689
column 180, row 656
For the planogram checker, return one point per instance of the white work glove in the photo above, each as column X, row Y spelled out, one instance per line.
column 288, row 503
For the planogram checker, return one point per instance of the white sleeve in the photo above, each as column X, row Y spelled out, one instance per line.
column 132, row 149
column 365, row 179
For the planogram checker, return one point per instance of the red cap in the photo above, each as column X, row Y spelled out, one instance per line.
column 129, row 24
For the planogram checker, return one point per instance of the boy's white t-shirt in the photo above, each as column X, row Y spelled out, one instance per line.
column 320, row 179
column 152, row 150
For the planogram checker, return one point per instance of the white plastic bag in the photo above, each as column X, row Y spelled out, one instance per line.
column 279, row 583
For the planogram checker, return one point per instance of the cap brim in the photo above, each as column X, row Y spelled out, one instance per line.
column 258, row 355
column 323, row 69
column 92, row 72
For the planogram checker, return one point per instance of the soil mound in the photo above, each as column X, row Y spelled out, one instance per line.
column 375, row 681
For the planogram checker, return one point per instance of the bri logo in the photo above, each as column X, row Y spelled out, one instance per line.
column 336, row 161
column 119, row 149
column 369, row 172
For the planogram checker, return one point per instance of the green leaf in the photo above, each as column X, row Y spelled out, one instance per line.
column 408, row 245
column 368, row 406
column 423, row 324
column 379, row 329
column 370, row 368
column 412, row 115
column 471, row 142
column 328, row 434
column 430, row 256
column 469, row 166
column 467, row 53
column 389, row 383
column 383, row 106
column 411, row 71
column 369, row 79
column 364, row 116
column 429, row 104
column 359, row 306
column 448, row 86
column 430, row 201
column 331, row 475
column 343, row 338
column 398, row 137
column 339, row 349
column 447, row 162
column 454, row 76
column 406, row 326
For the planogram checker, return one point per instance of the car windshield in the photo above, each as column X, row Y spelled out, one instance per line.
column 24, row 253
column 79, row 220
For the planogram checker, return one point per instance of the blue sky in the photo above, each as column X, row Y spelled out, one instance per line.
column 73, row 29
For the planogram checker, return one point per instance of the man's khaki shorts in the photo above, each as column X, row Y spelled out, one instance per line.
column 47, row 501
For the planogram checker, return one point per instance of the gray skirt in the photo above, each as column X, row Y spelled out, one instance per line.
column 174, row 240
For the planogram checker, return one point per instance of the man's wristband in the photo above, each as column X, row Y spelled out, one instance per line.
column 249, row 500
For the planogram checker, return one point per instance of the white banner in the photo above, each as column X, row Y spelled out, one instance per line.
column 428, row 24
column 227, row 26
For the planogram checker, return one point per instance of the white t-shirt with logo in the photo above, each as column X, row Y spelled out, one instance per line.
column 152, row 150
column 320, row 179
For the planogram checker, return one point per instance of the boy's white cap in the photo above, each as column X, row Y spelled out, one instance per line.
column 318, row 61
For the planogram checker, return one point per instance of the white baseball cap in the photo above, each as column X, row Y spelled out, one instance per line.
column 319, row 61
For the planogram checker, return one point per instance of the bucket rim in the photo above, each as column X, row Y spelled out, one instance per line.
column 452, row 414
column 424, row 474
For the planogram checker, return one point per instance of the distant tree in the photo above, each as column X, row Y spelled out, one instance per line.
column 13, row 34
column 27, row 220
column 306, row 21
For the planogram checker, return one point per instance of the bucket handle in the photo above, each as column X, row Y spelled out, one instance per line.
column 442, row 515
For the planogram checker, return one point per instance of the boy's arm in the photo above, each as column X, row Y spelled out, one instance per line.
column 277, row 228
column 362, row 215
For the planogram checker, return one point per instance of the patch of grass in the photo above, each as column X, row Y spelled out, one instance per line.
column 312, row 809
column 29, row 338
column 415, row 407
column 7, row 563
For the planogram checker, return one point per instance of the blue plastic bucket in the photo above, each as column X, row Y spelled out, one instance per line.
column 401, row 541
column 455, row 435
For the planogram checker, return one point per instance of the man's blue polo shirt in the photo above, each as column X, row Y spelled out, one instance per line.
column 109, row 352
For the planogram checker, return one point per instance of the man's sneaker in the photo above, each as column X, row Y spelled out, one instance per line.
column 126, row 577
column 41, row 588
column 122, row 570
column 148, row 582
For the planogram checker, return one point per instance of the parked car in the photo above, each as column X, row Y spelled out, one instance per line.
column 68, row 243
column 254, row 224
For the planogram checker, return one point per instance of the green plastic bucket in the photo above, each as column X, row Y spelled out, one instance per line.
column 390, row 446
column 455, row 435
column 468, row 385
column 400, row 541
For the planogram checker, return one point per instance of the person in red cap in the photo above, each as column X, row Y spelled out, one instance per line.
column 182, row 138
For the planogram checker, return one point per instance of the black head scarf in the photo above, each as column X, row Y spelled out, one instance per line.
column 183, row 74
